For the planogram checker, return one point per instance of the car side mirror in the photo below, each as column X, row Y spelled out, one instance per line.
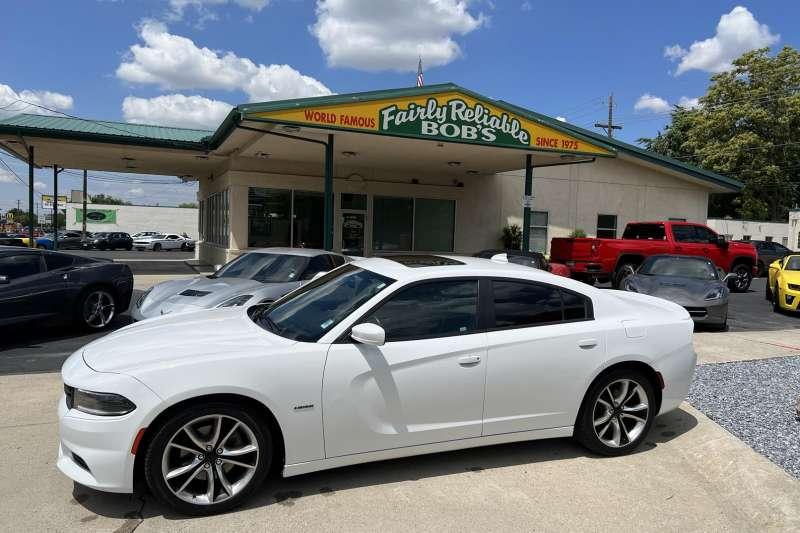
column 217, row 267
column 722, row 241
column 4, row 280
column 318, row 275
column 728, row 277
column 368, row 333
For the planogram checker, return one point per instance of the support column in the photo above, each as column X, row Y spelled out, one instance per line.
column 31, row 240
column 526, row 211
column 55, row 206
column 85, row 192
column 328, row 215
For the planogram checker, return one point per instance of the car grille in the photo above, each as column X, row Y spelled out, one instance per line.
column 70, row 394
column 192, row 292
column 697, row 311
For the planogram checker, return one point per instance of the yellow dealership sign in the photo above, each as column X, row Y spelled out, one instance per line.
column 446, row 116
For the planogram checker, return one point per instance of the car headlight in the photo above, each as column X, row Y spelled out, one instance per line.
column 99, row 403
column 714, row 294
column 793, row 287
column 629, row 286
column 236, row 301
column 141, row 299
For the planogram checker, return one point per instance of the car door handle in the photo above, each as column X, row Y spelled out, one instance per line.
column 469, row 360
column 587, row 344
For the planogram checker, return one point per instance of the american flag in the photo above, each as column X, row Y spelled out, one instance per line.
column 420, row 80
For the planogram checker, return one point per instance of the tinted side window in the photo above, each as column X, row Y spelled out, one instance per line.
column 319, row 263
column 683, row 233
column 525, row 304
column 434, row 309
column 575, row 306
column 704, row 235
column 338, row 260
column 56, row 261
column 20, row 266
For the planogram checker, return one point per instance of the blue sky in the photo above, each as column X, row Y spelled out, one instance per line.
column 183, row 62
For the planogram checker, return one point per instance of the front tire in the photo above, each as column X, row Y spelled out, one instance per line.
column 617, row 413
column 744, row 276
column 156, row 247
column 623, row 272
column 208, row 458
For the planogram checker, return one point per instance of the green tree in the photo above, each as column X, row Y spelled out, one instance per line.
column 107, row 200
column 747, row 127
column 188, row 205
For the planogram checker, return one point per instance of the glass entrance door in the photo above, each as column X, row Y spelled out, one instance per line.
column 353, row 233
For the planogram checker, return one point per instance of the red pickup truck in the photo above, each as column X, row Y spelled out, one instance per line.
column 615, row 259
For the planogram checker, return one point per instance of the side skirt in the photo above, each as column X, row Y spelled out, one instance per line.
column 394, row 453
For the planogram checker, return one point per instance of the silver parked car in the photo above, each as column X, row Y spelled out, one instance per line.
column 258, row 276
column 691, row 281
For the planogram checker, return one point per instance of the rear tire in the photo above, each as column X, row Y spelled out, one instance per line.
column 219, row 431
column 617, row 413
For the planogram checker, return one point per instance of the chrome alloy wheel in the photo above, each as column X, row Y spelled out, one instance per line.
column 620, row 413
column 98, row 309
column 210, row 459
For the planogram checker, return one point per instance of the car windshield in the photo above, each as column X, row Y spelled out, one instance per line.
column 265, row 267
column 683, row 267
column 793, row 263
column 308, row 313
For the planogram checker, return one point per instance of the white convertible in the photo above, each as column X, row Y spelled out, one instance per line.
column 377, row 359
column 164, row 241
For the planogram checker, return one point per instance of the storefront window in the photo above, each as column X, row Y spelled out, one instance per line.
column 356, row 202
column 392, row 224
column 409, row 224
column 538, row 238
column 269, row 214
column 281, row 217
column 434, row 221
column 307, row 230
column 214, row 219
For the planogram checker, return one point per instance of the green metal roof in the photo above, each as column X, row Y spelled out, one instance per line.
column 160, row 136
column 104, row 130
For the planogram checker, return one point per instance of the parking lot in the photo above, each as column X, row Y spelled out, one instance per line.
column 701, row 468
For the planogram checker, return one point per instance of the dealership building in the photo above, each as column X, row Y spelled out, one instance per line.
column 428, row 169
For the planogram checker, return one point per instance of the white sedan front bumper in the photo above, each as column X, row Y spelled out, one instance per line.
column 96, row 451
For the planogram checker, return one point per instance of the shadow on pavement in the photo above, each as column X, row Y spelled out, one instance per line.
column 280, row 491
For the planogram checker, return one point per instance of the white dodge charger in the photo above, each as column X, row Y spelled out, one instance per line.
column 384, row 358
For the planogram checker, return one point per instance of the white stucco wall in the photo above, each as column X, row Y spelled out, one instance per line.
column 574, row 195
column 133, row 218
column 753, row 229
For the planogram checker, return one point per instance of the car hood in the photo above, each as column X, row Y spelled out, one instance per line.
column 204, row 293
column 172, row 340
column 682, row 291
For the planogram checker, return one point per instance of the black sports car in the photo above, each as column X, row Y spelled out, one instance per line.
column 110, row 241
column 43, row 285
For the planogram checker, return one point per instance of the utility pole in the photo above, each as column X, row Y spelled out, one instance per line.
column 31, row 240
column 610, row 126
column 83, row 230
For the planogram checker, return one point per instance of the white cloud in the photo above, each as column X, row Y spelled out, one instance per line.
column 175, row 62
column 7, row 177
column 175, row 110
column 737, row 32
column 10, row 103
column 526, row 6
column 39, row 186
column 373, row 36
column 203, row 7
column 674, row 52
column 561, row 119
column 689, row 103
column 136, row 191
column 650, row 103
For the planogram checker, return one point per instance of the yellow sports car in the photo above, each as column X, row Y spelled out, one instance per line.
column 783, row 283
